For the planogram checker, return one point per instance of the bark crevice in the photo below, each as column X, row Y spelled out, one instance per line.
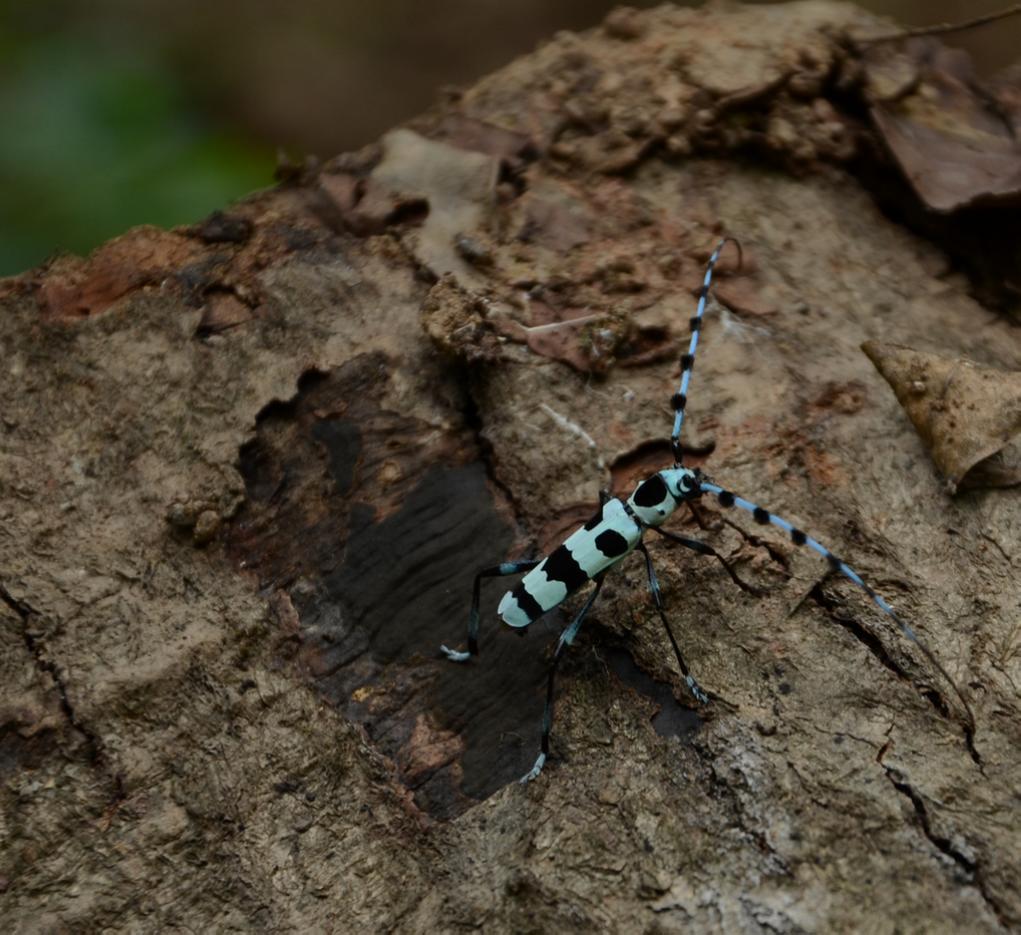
column 37, row 650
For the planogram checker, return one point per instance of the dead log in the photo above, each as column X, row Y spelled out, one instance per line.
column 248, row 469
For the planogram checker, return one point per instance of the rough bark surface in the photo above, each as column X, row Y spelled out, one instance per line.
column 247, row 470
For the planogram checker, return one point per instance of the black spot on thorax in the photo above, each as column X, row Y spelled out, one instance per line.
column 651, row 492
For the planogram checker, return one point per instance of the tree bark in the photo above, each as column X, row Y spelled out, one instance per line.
column 249, row 469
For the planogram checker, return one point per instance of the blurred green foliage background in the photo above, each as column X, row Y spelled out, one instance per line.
column 98, row 136
column 121, row 112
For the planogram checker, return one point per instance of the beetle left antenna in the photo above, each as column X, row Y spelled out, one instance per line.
column 762, row 516
column 680, row 398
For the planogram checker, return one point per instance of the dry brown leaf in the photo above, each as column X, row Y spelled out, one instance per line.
column 555, row 216
column 75, row 288
column 954, row 146
column 223, row 311
column 458, row 186
column 968, row 416
column 465, row 132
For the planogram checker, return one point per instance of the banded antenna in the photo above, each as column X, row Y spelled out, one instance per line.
column 763, row 517
column 680, row 398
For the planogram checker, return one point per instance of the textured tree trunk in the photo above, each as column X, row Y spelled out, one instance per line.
column 248, row 470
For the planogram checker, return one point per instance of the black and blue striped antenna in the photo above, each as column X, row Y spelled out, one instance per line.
column 680, row 398
column 763, row 517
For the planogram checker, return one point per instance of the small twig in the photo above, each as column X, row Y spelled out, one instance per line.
column 569, row 323
column 941, row 28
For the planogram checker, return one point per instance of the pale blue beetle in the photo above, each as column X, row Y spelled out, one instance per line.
column 616, row 530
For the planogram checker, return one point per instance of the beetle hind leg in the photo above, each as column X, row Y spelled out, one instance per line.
column 566, row 638
column 495, row 571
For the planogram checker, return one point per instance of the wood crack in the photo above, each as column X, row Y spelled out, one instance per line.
column 37, row 651
column 838, row 614
column 971, row 869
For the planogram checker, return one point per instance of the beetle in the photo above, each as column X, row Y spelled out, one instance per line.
column 617, row 529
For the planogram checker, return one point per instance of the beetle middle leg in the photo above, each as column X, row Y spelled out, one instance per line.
column 657, row 596
column 704, row 549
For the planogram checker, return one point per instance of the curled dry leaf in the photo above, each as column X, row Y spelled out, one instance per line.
column 968, row 416
column 554, row 216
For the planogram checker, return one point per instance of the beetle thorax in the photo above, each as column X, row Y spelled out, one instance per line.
column 656, row 497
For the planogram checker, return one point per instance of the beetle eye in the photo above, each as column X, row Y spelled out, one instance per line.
column 686, row 482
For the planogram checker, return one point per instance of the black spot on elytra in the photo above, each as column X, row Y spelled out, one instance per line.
column 725, row 497
column 595, row 521
column 651, row 492
column 798, row 537
column 760, row 515
column 562, row 566
column 611, row 543
column 678, row 401
column 528, row 604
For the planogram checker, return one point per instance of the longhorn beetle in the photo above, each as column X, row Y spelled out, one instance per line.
column 617, row 529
